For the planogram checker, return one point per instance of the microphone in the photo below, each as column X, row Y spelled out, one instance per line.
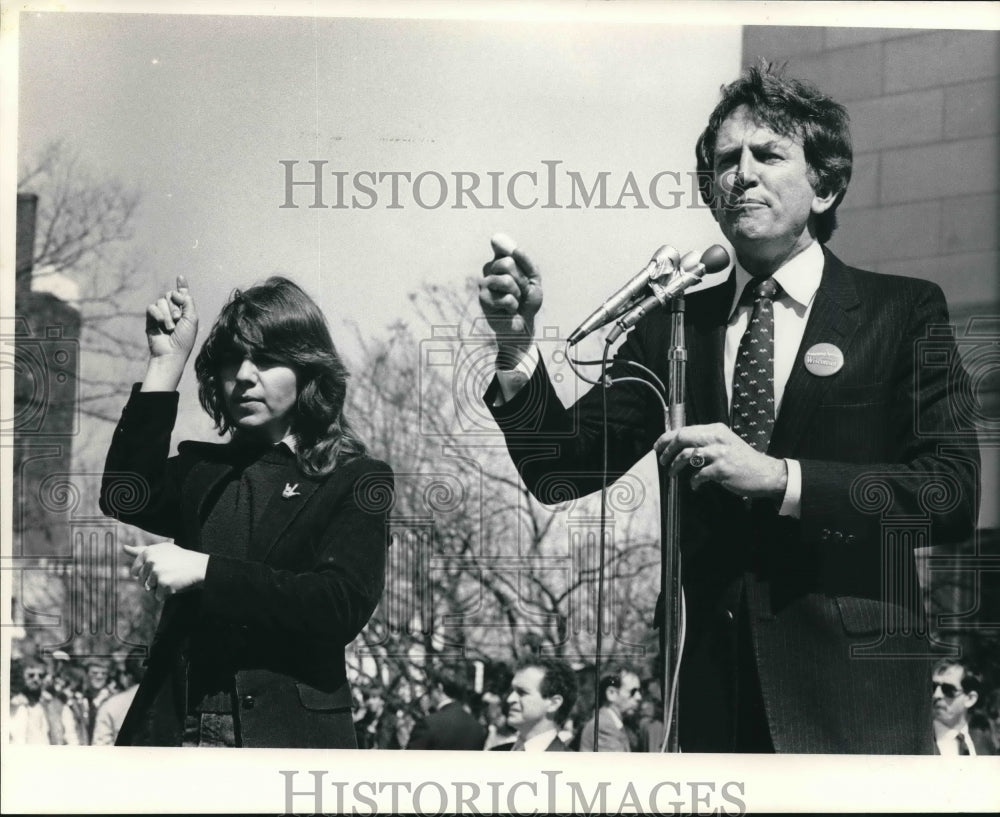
column 714, row 259
column 614, row 305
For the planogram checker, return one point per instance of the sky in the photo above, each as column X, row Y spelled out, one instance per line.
column 199, row 112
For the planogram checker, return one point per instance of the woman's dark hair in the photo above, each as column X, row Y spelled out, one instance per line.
column 790, row 108
column 277, row 323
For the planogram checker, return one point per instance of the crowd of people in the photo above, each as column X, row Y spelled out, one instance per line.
column 542, row 706
column 804, row 389
column 58, row 700
column 543, row 710
column 78, row 702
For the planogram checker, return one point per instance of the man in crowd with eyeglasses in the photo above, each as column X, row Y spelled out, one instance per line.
column 620, row 693
column 955, row 690
column 36, row 715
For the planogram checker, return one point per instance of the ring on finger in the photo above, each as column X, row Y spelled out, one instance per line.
column 697, row 459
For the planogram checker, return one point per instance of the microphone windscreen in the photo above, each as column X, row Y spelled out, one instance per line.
column 715, row 259
column 667, row 253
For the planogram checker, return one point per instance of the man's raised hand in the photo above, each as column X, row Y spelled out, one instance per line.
column 510, row 294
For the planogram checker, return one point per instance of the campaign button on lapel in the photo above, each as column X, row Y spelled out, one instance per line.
column 824, row 359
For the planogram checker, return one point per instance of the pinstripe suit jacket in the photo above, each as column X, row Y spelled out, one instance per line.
column 832, row 597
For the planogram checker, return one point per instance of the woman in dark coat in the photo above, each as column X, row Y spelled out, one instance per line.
column 279, row 533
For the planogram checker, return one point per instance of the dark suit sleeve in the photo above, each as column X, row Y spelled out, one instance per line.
column 558, row 451
column 141, row 482
column 926, row 473
column 336, row 596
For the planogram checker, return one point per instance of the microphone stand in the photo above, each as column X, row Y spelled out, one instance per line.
column 670, row 561
column 672, row 622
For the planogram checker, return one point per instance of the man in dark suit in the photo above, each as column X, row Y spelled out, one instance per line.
column 449, row 726
column 620, row 693
column 542, row 693
column 812, row 424
column 955, row 690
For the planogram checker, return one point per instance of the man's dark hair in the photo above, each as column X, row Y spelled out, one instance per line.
column 452, row 683
column 19, row 666
column 559, row 679
column 791, row 108
column 992, row 705
column 612, row 678
column 972, row 678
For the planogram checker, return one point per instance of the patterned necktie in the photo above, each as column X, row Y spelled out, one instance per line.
column 753, row 378
column 963, row 749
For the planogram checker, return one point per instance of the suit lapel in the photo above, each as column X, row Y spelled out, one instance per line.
column 279, row 512
column 207, row 478
column 556, row 745
column 201, row 486
column 833, row 320
column 708, row 314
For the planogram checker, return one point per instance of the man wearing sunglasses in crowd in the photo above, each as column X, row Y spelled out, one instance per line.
column 955, row 690
column 36, row 715
column 621, row 693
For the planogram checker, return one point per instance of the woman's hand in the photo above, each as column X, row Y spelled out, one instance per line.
column 165, row 568
column 171, row 330
column 172, row 322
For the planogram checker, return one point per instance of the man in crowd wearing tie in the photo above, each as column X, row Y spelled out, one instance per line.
column 542, row 693
column 813, row 422
column 620, row 693
column 96, row 691
column 955, row 691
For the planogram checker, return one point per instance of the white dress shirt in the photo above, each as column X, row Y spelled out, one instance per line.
column 799, row 279
column 541, row 741
column 947, row 741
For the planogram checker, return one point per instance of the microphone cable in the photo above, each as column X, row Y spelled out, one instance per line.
column 606, row 383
